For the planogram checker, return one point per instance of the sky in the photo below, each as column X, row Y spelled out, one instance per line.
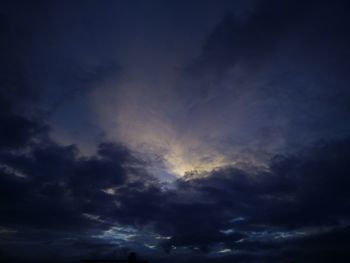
column 185, row 131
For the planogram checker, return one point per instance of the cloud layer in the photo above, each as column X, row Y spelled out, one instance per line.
column 267, row 84
column 98, row 110
column 56, row 199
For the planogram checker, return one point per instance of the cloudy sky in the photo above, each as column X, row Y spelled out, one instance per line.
column 187, row 131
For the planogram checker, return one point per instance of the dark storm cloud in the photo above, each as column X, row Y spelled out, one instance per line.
column 301, row 48
column 303, row 193
column 317, row 26
column 47, row 190
column 50, row 197
column 50, row 64
column 16, row 130
column 54, row 200
column 274, row 82
column 300, row 194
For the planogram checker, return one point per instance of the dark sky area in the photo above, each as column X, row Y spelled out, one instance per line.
column 205, row 131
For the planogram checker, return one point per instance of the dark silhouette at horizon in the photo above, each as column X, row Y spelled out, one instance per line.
column 132, row 258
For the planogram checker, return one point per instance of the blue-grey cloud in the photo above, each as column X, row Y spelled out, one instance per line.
column 254, row 122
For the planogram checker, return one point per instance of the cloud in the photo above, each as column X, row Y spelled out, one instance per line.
column 297, row 198
column 266, row 84
column 49, row 69
column 57, row 203
column 275, row 211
